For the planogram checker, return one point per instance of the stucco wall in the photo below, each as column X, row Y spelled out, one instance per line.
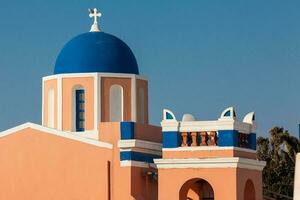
column 37, row 165
column 223, row 182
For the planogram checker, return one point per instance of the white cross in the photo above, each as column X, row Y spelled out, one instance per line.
column 94, row 14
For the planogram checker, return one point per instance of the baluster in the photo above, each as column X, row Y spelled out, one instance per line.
column 203, row 139
column 194, row 139
column 184, row 139
column 213, row 138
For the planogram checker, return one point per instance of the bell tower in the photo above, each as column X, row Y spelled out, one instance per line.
column 96, row 79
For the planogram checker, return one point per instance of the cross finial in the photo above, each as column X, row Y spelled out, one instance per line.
column 94, row 14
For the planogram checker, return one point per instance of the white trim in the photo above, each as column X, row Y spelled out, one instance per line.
column 56, row 132
column 96, row 101
column 140, row 144
column 91, row 134
column 132, row 163
column 133, row 99
column 99, row 100
column 59, row 103
column 43, row 103
column 209, row 148
column 170, row 125
column 191, row 126
column 232, row 162
column 121, row 75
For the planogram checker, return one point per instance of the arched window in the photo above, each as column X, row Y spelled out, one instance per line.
column 197, row 189
column 249, row 191
column 79, row 110
column 50, row 122
column 141, row 105
column 116, row 103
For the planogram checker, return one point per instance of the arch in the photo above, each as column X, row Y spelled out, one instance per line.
column 78, row 108
column 50, row 121
column 116, row 103
column 196, row 189
column 228, row 113
column 141, row 105
column 249, row 191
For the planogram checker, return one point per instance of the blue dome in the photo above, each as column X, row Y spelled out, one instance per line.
column 96, row 52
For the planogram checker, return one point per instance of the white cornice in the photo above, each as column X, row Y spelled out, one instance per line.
column 123, row 144
column 132, row 163
column 57, row 133
column 197, row 126
column 77, row 75
column 230, row 162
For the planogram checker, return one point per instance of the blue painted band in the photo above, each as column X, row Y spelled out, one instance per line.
column 228, row 138
column 171, row 139
column 127, row 130
column 137, row 156
column 252, row 141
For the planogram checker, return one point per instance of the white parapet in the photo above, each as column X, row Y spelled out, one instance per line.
column 297, row 179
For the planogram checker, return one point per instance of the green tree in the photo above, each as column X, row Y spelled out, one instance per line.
column 279, row 151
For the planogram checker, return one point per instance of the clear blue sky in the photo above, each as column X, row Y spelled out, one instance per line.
column 200, row 56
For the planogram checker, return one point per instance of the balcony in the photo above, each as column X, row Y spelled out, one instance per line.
column 198, row 138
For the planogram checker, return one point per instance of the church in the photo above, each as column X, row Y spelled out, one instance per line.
column 95, row 141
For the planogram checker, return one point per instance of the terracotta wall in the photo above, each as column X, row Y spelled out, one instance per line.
column 148, row 132
column 255, row 176
column 144, row 85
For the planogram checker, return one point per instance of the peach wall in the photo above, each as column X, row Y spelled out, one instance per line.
column 68, row 85
column 49, row 84
column 208, row 154
column 255, row 176
column 142, row 84
column 106, row 83
column 128, row 182
column 37, row 165
column 223, row 182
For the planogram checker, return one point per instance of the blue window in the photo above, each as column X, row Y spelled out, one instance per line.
column 80, row 108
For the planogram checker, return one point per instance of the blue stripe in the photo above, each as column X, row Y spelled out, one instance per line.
column 252, row 141
column 171, row 139
column 228, row 138
column 127, row 130
column 137, row 156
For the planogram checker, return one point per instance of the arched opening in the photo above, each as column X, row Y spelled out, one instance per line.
column 116, row 103
column 196, row 189
column 50, row 122
column 141, row 106
column 249, row 192
column 78, row 108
